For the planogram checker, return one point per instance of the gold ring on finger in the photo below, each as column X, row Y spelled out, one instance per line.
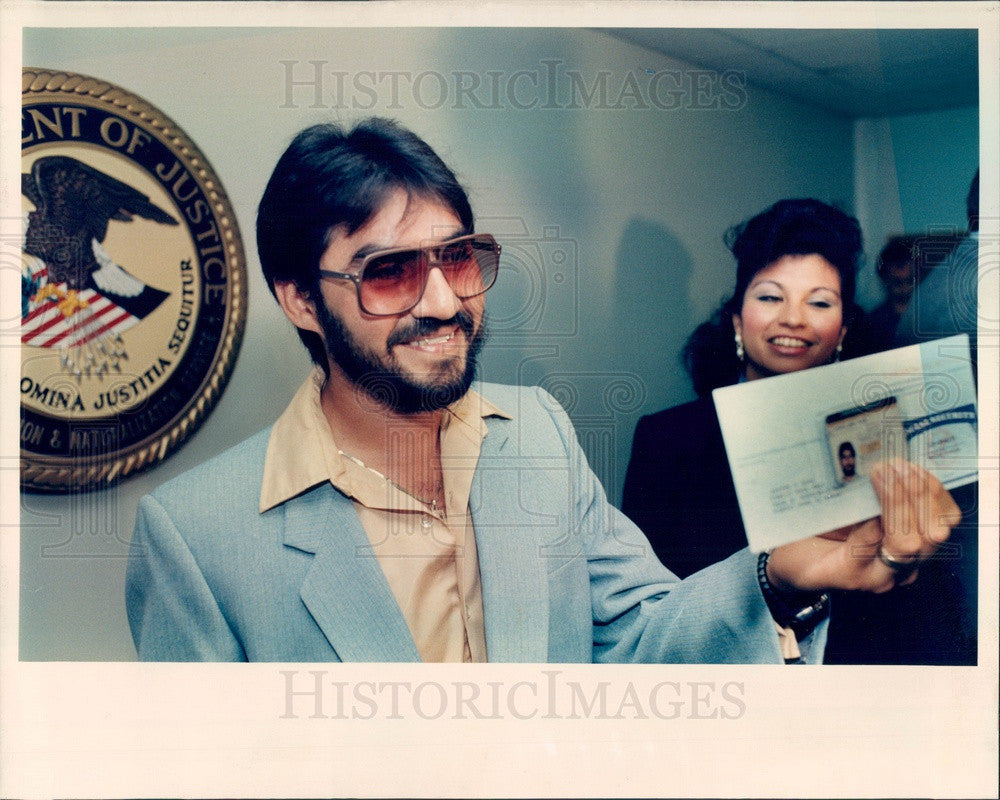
column 898, row 565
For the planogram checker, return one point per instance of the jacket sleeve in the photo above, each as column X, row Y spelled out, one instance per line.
column 643, row 613
column 171, row 609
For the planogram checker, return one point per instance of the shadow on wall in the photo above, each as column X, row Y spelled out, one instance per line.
column 651, row 300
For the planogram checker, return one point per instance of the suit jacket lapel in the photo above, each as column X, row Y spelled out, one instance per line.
column 345, row 590
column 515, row 589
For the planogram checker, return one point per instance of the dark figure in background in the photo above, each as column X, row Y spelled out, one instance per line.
column 898, row 273
column 902, row 265
column 791, row 309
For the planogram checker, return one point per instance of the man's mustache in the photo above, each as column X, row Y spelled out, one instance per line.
column 425, row 327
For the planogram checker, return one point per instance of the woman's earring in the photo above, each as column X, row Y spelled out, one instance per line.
column 740, row 353
column 836, row 354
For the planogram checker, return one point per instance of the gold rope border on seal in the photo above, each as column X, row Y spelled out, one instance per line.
column 38, row 473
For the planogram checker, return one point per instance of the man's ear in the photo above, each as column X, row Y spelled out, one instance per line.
column 298, row 306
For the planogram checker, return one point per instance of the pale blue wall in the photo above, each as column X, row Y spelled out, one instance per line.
column 936, row 155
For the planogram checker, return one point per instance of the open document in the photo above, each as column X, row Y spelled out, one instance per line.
column 800, row 446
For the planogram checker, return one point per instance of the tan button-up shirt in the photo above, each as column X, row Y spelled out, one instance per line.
column 428, row 555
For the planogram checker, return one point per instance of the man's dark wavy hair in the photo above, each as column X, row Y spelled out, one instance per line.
column 330, row 177
column 789, row 227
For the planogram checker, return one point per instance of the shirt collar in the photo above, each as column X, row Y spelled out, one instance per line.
column 301, row 452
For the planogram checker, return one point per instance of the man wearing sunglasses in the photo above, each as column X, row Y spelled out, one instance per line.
column 395, row 513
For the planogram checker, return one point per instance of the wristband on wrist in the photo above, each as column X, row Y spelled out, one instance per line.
column 800, row 618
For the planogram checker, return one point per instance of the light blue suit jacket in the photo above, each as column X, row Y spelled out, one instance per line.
column 565, row 576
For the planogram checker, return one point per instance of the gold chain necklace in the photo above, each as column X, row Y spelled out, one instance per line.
column 432, row 503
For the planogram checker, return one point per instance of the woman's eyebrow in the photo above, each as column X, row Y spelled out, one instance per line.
column 780, row 286
column 766, row 281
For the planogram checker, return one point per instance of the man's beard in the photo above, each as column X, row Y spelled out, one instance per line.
column 381, row 378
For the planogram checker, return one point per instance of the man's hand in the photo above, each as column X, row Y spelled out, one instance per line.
column 877, row 554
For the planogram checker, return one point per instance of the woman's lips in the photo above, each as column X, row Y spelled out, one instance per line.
column 789, row 345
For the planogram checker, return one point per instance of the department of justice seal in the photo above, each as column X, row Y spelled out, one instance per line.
column 133, row 284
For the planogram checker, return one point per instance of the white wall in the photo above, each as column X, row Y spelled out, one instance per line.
column 633, row 200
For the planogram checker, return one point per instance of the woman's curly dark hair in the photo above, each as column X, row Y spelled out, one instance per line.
column 789, row 227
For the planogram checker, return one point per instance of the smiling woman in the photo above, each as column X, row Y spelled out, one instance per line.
column 791, row 309
column 793, row 302
column 792, row 317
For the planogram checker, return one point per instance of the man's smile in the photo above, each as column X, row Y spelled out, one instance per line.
column 445, row 342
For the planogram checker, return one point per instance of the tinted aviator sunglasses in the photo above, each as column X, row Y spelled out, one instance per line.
column 393, row 281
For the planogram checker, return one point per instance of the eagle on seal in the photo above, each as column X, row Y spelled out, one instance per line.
column 74, row 203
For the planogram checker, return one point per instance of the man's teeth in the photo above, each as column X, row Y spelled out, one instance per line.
column 434, row 341
column 787, row 341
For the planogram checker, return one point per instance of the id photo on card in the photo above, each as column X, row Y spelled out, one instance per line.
column 862, row 435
